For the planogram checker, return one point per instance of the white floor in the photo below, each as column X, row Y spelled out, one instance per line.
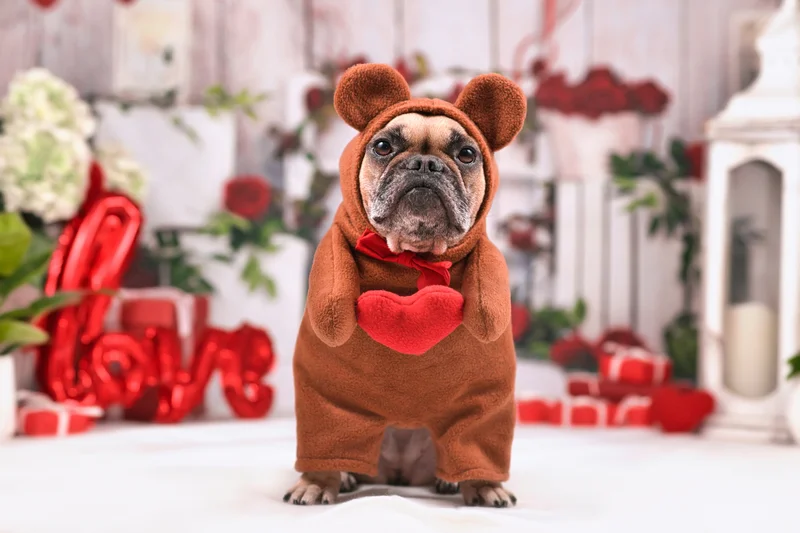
column 229, row 477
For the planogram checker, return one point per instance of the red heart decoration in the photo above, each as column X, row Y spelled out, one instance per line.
column 45, row 4
column 410, row 324
column 681, row 409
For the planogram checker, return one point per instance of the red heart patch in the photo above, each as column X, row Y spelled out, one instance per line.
column 410, row 324
column 681, row 409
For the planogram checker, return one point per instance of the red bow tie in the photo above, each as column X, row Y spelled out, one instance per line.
column 373, row 245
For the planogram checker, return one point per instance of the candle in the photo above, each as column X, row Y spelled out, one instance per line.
column 751, row 349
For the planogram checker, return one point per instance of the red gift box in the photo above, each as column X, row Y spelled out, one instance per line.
column 133, row 311
column 586, row 384
column 39, row 416
column 583, row 411
column 634, row 411
column 633, row 365
column 534, row 410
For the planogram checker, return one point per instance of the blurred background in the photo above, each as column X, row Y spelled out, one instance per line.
column 215, row 117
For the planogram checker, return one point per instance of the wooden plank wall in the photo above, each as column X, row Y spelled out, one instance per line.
column 261, row 44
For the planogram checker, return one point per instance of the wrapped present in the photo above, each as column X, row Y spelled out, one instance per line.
column 587, row 384
column 534, row 410
column 39, row 416
column 634, row 365
column 133, row 311
column 634, row 411
column 583, row 411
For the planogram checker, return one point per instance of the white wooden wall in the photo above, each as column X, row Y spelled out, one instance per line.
column 262, row 44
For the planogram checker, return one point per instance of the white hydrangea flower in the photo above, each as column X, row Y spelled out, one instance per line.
column 44, row 171
column 38, row 96
column 122, row 173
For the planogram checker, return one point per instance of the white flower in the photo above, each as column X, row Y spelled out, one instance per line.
column 44, row 171
column 37, row 96
column 121, row 172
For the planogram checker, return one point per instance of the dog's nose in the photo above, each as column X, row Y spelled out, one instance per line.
column 425, row 163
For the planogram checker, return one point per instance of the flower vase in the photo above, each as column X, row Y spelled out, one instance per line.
column 793, row 410
column 233, row 304
column 581, row 146
column 8, row 398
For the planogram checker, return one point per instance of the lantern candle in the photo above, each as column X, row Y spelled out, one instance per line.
column 751, row 349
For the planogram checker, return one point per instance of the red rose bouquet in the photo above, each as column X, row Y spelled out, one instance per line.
column 594, row 117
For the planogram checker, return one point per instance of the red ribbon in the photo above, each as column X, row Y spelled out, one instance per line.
column 373, row 245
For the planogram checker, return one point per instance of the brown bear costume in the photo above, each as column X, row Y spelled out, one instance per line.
column 349, row 387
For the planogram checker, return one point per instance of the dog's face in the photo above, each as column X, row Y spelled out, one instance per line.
column 422, row 183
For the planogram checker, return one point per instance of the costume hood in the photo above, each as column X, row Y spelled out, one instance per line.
column 491, row 108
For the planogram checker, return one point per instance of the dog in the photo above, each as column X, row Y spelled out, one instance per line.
column 423, row 185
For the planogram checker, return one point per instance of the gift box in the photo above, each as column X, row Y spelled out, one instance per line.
column 133, row 311
column 634, row 411
column 586, row 384
column 583, row 411
column 39, row 416
column 633, row 365
column 533, row 410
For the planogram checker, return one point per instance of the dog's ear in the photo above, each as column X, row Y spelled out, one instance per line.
column 367, row 89
column 496, row 105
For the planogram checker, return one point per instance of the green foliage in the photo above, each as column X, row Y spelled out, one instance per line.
column 217, row 100
column 20, row 264
column 794, row 367
column 548, row 325
column 670, row 211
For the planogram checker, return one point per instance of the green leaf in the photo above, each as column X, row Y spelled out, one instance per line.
column 651, row 164
column 655, row 223
column 623, row 167
column 15, row 238
column 625, row 185
column 14, row 332
column 28, row 271
column 794, row 367
column 223, row 258
column 256, row 279
column 579, row 312
column 224, row 222
column 677, row 150
column 43, row 306
column 648, row 200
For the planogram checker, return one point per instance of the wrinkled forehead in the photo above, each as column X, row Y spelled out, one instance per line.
column 417, row 130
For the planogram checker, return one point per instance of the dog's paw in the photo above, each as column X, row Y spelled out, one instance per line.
column 313, row 489
column 349, row 483
column 445, row 487
column 486, row 494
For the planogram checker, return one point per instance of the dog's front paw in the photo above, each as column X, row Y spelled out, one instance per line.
column 314, row 488
column 349, row 482
column 445, row 487
column 486, row 494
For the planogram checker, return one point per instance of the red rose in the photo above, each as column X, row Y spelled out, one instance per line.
column 247, row 196
column 402, row 67
column 554, row 93
column 520, row 320
column 600, row 93
column 454, row 92
column 648, row 97
column 539, row 68
column 315, row 99
column 523, row 239
column 696, row 153
column 569, row 349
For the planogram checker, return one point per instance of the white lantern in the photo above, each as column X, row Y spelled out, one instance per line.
column 754, row 173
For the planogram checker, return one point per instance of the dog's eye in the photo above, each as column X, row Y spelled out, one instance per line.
column 382, row 148
column 467, row 155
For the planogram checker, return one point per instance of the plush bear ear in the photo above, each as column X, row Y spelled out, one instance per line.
column 367, row 89
column 496, row 105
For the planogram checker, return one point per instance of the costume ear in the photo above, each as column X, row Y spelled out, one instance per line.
column 496, row 105
column 367, row 89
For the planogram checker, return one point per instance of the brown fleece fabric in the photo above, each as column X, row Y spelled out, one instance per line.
column 349, row 388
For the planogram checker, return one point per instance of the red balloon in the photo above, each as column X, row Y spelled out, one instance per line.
column 92, row 254
column 245, row 362
column 120, row 368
